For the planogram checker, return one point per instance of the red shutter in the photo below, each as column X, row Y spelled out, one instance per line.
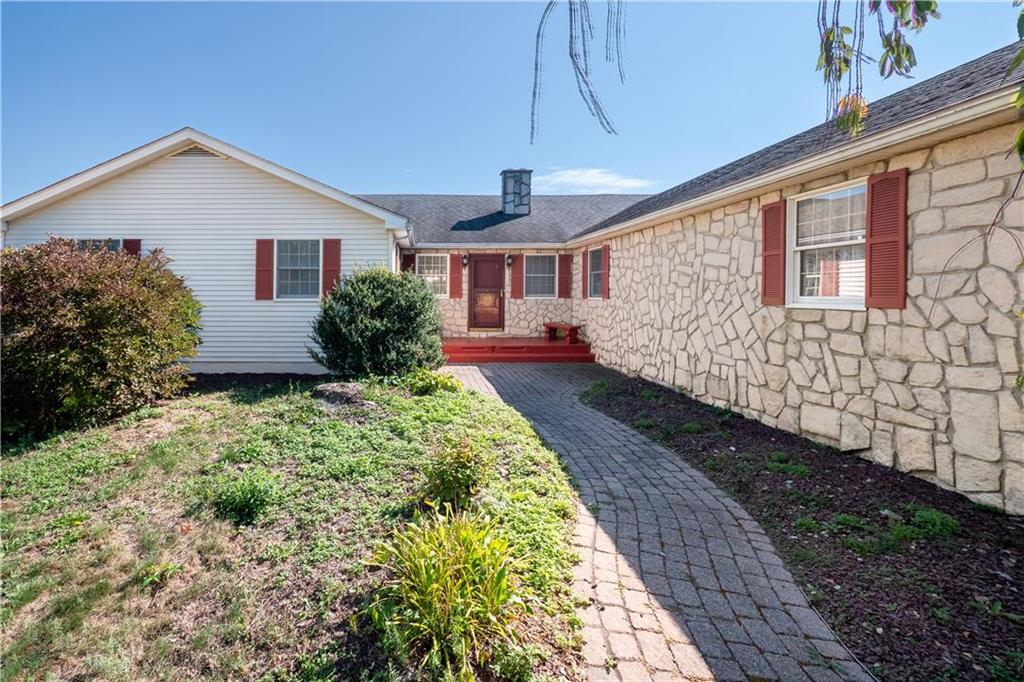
column 517, row 276
column 454, row 276
column 564, row 275
column 408, row 262
column 264, row 269
column 132, row 246
column 773, row 253
column 885, row 249
column 606, row 273
column 332, row 265
column 585, row 270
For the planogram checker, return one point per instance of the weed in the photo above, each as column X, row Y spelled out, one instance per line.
column 423, row 382
column 453, row 474
column 244, row 498
column 933, row 522
column 941, row 613
column 808, row 524
column 596, row 390
column 850, row 522
column 782, row 465
column 153, row 576
column 692, row 427
column 995, row 609
column 1007, row 667
column 644, row 422
column 649, row 394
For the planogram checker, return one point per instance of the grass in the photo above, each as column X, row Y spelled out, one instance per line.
column 780, row 463
column 225, row 534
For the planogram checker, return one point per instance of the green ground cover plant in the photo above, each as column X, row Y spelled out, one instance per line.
column 167, row 497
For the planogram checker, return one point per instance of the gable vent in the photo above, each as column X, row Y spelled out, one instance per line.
column 195, row 150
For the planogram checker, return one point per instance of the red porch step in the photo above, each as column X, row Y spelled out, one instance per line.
column 476, row 351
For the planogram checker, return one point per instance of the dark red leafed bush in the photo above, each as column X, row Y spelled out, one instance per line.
column 88, row 335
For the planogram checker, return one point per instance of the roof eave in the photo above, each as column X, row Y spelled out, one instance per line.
column 985, row 106
column 168, row 145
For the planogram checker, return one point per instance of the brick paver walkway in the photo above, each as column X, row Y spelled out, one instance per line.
column 683, row 584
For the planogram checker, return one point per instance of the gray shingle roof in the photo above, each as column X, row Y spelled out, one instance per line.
column 973, row 79
column 475, row 219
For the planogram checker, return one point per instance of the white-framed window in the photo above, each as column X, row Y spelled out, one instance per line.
column 112, row 244
column 825, row 232
column 540, row 275
column 595, row 273
column 433, row 268
column 297, row 268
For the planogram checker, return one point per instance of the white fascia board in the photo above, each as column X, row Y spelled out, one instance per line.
column 182, row 139
column 477, row 246
column 959, row 114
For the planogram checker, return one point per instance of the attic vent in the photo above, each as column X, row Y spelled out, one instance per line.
column 195, row 150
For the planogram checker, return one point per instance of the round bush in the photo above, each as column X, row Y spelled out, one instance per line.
column 88, row 335
column 378, row 323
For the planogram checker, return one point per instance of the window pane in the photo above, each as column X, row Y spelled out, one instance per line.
column 98, row 244
column 833, row 272
column 540, row 275
column 298, row 268
column 595, row 275
column 433, row 268
column 833, row 217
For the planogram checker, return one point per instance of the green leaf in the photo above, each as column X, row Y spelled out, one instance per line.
column 1017, row 61
column 1020, row 25
column 1018, row 145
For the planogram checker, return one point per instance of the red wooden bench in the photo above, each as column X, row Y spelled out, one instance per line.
column 572, row 331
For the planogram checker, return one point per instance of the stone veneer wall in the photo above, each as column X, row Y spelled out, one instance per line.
column 930, row 396
column 523, row 317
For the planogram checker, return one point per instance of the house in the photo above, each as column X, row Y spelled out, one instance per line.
column 844, row 289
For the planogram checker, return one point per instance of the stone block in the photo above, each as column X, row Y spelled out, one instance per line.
column 974, row 475
column 976, row 425
column 914, row 450
column 977, row 378
column 958, row 174
column 926, row 374
column 853, row 435
column 891, row 370
column 931, row 253
column 997, row 285
column 1013, row 488
column 966, row 309
column 819, row 420
column 846, row 343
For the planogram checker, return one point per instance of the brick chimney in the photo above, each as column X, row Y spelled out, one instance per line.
column 515, row 191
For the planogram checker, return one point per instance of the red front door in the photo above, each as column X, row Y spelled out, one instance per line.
column 487, row 291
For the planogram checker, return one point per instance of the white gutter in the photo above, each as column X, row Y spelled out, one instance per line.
column 476, row 246
column 980, row 107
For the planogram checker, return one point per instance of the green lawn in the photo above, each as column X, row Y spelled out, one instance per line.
column 224, row 534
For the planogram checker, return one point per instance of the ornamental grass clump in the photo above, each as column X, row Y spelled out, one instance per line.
column 451, row 600
column 89, row 334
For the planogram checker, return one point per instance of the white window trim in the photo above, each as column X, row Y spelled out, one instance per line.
column 792, row 271
column 535, row 296
column 590, row 292
column 447, row 275
column 319, row 271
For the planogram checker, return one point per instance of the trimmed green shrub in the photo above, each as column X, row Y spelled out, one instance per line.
column 450, row 601
column 378, row 322
column 245, row 497
column 88, row 335
column 426, row 382
column 453, row 475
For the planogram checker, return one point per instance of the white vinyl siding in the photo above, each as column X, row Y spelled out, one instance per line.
column 541, row 275
column 207, row 213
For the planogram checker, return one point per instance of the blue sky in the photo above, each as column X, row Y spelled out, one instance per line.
column 426, row 97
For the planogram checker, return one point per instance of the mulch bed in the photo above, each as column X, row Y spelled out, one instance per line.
column 914, row 595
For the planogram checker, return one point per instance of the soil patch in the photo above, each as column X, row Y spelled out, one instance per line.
column 919, row 582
